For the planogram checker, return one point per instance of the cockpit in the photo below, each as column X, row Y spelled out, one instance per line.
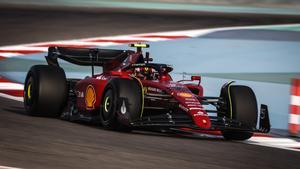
column 139, row 65
column 152, row 71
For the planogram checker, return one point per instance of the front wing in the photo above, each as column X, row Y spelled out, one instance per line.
column 169, row 122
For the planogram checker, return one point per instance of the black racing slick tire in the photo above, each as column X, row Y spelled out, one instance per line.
column 121, row 104
column 45, row 91
column 236, row 135
column 241, row 107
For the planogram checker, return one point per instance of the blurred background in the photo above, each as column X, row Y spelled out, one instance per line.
column 245, row 3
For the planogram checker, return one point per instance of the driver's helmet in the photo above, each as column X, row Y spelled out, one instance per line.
column 145, row 73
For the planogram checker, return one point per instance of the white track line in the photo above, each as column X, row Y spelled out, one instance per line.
column 20, row 99
column 6, row 167
column 190, row 33
column 9, row 54
column 25, row 48
column 11, row 86
column 282, row 143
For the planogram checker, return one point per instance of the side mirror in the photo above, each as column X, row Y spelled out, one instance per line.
column 193, row 78
column 196, row 78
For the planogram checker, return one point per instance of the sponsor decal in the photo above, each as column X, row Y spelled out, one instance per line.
column 79, row 94
column 195, row 108
column 184, row 94
column 101, row 77
column 192, row 102
column 153, row 89
column 191, row 99
column 139, row 64
column 199, row 113
column 183, row 108
column 171, row 85
column 193, row 105
column 90, row 97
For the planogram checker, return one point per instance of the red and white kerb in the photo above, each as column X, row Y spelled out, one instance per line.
column 294, row 121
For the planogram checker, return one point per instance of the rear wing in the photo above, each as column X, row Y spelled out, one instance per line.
column 107, row 58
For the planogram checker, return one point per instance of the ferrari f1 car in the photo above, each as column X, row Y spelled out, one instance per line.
column 134, row 93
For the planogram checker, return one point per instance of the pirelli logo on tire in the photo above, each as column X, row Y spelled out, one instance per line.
column 90, row 97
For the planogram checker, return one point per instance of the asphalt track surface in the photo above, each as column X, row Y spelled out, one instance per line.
column 34, row 142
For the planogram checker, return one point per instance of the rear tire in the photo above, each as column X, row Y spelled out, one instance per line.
column 121, row 104
column 242, row 107
column 45, row 91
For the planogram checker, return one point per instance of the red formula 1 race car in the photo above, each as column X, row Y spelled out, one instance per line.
column 133, row 93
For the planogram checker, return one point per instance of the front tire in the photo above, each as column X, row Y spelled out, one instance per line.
column 242, row 107
column 236, row 135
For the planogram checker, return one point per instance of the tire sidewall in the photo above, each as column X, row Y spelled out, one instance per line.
column 49, row 89
column 241, row 105
column 111, row 119
column 236, row 135
column 31, row 105
column 125, row 93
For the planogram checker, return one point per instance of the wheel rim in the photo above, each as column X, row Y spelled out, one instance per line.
column 29, row 94
column 107, row 105
column 29, row 91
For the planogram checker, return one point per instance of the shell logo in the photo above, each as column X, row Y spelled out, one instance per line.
column 90, row 97
column 185, row 94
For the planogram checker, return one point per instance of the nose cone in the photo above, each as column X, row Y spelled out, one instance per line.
column 192, row 105
column 201, row 119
